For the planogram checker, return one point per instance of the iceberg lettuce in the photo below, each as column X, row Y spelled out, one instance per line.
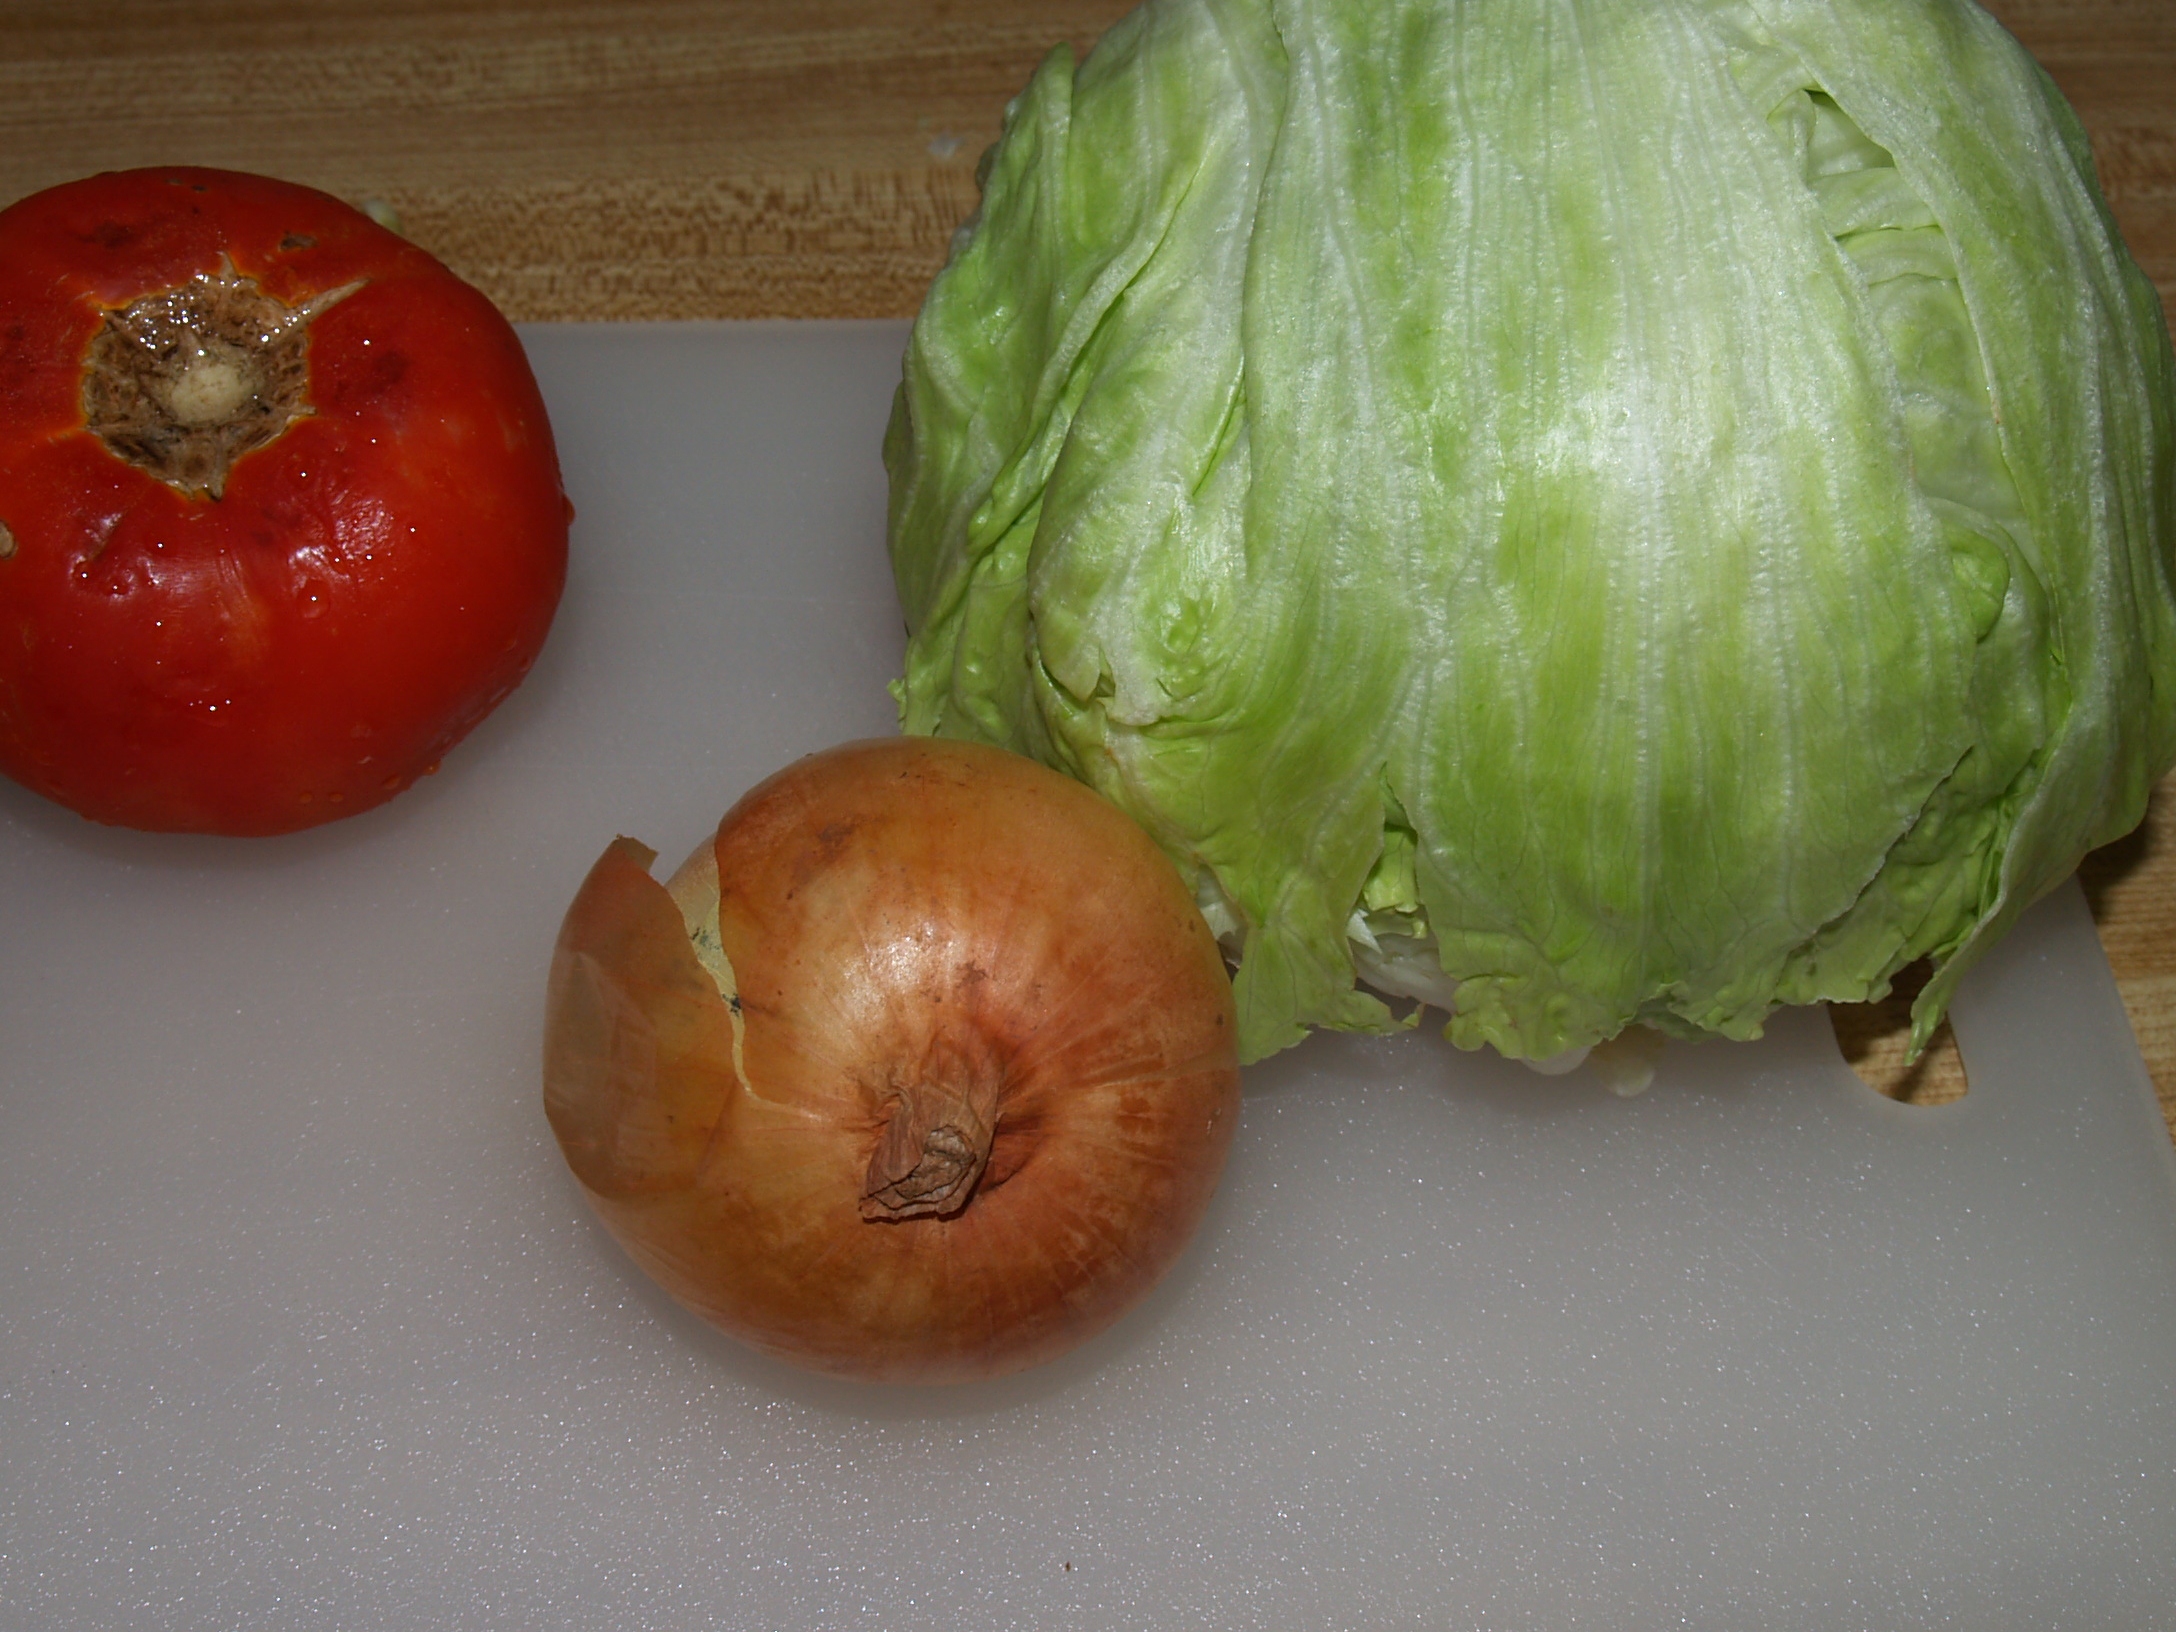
column 1578, row 513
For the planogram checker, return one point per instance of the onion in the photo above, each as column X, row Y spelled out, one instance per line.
column 922, row 1070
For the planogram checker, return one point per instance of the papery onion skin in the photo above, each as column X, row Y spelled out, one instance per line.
column 894, row 915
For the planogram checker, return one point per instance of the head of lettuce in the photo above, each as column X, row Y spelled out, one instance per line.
column 1582, row 513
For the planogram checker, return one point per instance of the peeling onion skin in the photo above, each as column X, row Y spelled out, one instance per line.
column 908, row 925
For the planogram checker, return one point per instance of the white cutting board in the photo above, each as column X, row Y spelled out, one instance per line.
column 303, row 1324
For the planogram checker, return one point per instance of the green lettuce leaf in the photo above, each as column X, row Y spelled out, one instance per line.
column 1583, row 514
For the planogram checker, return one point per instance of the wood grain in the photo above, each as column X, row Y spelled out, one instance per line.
column 586, row 159
column 573, row 158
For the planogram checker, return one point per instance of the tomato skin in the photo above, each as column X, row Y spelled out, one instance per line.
column 366, row 588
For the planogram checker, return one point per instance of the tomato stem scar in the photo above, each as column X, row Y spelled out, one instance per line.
column 185, row 381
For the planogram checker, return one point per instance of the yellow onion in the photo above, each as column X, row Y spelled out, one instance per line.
column 922, row 1070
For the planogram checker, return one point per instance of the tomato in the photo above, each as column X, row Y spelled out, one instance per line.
column 280, row 514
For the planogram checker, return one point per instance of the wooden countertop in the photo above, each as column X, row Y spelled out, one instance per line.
column 591, row 159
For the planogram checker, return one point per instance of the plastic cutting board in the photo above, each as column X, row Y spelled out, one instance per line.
column 303, row 1324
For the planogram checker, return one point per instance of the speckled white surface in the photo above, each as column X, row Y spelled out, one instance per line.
column 302, row 1324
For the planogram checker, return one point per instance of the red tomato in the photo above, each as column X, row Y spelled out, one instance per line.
column 280, row 514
